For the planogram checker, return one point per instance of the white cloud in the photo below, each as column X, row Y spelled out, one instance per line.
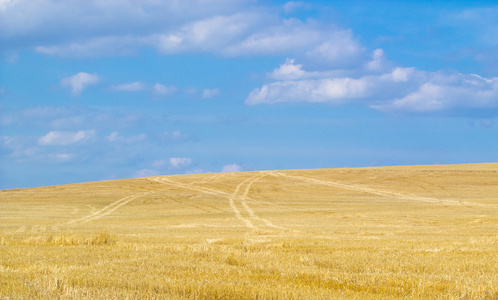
column 66, row 137
column 160, row 163
column 146, row 173
column 28, row 22
column 292, row 71
column 317, row 43
column 378, row 61
column 121, row 27
column 173, row 162
column 210, row 34
column 210, row 93
column 231, row 168
column 89, row 28
column 400, row 74
column 129, row 87
column 288, row 71
column 162, row 90
column 283, row 38
column 398, row 90
column 116, row 137
column 335, row 91
column 293, row 6
column 446, row 92
column 340, row 49
column 327, row 63
column 79, row 82
column 180, row 162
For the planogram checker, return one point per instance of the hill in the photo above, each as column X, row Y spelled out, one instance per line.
column 425, row 232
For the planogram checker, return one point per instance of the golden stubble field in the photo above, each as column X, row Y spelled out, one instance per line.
column 420, row 232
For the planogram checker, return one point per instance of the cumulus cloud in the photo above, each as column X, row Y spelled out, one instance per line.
column 146, row 173
column 378, row 62
column 326, row 64
column 79, row 82
column 211, row 34
column 116, row 137
column 116, row 25
column 173, row 162
column 180, row 162
column 233, row 28
column 316, row 43
column 89, row 28
column 394, row 90
column 243, row 34
column 162, row 90
column 156, row 89
column 231, row 168
column 129, row 87
column 340, row 49
column 446, row 92
column 66, row 137
column 334, row 91
column 210, row 93
column 292, row 71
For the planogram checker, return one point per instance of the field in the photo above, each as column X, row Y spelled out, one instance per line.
column 419, row 232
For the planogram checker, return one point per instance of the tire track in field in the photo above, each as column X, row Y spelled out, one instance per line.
column 231, row 198
column 205, row 190
column 210, row 191
column 248, row 209
column 109, row 208
column 234, row 208
column 208, row 179
column 358, row 188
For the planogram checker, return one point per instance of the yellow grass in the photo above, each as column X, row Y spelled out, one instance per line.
column 422, row 232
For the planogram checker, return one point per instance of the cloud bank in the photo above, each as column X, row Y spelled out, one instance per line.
column 326, row 63
column 224, row 27
column 387, row 89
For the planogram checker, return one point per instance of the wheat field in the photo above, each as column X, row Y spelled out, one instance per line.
column 417, row 232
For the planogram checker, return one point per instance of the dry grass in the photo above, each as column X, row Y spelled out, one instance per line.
column 424, row 232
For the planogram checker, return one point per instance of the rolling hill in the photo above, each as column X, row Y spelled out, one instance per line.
column 424, row 232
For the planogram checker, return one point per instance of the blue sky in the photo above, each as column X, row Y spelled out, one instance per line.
column 97, row 90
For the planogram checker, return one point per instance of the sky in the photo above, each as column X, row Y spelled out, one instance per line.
column 108, row 89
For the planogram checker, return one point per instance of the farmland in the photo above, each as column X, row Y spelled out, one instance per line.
column 424, row 232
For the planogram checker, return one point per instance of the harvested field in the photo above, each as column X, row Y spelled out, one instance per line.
column 423, row 232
